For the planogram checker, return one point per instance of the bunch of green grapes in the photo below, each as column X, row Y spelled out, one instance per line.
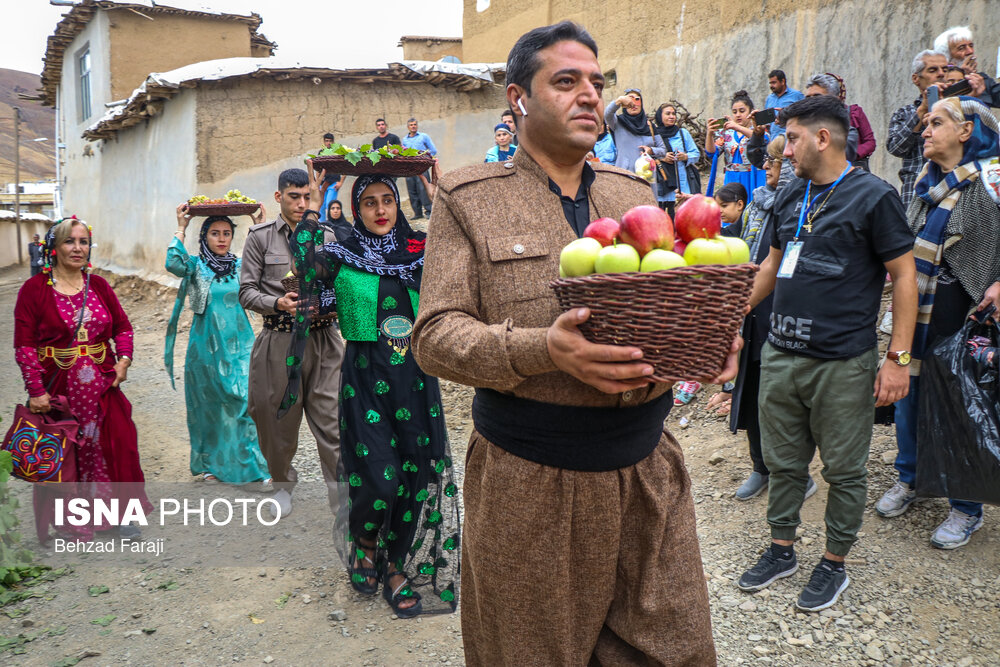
column 238, row 197
column 199, row 199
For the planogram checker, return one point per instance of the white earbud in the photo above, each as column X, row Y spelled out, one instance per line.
column 520, row 105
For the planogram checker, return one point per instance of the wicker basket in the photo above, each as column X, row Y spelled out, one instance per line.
column 222, row 209
column 397, row 166
column 291, row 284
column 683, row 319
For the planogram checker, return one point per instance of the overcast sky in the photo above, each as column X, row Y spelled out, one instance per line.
column 335, row 33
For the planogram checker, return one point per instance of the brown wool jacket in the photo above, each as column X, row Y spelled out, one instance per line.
column 493, row 246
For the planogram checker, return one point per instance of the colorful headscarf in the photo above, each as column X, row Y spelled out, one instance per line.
column 223, row 266
column 941, row 192
column 49, row 247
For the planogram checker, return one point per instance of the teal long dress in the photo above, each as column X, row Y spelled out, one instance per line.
column 216, row 372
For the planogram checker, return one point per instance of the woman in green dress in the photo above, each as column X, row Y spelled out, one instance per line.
column 403, row 519
column 223, row 436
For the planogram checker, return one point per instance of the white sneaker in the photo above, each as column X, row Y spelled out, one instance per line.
column 956, row 530
column 885, row 326
column 896, row 500
column 284, row 500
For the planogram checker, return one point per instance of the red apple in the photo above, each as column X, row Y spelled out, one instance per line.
column 605, row 230
column 698, row 218
column 647, row 227
column 679, row 246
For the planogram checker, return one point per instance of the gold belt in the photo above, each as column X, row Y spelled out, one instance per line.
column 65, row 357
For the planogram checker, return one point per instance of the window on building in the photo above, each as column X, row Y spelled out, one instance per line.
column 83, row 67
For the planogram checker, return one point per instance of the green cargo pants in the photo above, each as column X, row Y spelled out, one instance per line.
column 805, row 404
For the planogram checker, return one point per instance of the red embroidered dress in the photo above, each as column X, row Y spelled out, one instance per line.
column 107, row 453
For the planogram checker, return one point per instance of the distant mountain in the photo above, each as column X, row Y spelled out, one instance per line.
column 38, row 160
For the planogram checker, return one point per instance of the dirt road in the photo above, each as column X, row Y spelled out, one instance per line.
column 908, row 604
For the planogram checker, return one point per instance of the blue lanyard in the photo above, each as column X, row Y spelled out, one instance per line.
column 805, row 199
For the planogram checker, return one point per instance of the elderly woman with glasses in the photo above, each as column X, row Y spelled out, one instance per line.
column 955, row 215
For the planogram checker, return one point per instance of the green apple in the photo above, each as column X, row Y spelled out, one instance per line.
column 578, row 257
column 658, row 259
column 617, row 258
column 738, row 249
column 706, row 251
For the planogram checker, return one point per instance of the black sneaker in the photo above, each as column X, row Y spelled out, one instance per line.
column 767, row 570
column 823, row 589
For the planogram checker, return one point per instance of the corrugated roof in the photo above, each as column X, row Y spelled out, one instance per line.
column 147, row 100
column 76, row 19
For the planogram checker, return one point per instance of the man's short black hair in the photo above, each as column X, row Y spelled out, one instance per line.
column 777, row 74
column 292, row 178
column 820, row 111
column 522, row 61
column 328, row 135
column 506, row 112
column 412, row 120
column 380, row 120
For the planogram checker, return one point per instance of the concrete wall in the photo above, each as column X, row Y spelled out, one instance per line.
column 8, row 240
column 431, row 49
column 140, row 46
column 701, row 51
column 129, row 189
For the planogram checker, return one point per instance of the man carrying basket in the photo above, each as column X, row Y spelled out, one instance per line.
column 580, row 539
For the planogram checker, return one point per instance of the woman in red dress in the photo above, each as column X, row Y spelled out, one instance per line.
column 64, row 323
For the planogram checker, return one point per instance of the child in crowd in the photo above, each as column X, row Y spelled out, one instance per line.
column 732, row 198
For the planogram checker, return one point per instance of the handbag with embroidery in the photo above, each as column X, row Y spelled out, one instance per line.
column 43, row 446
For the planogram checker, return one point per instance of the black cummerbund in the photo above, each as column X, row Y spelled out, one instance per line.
column 570, row 437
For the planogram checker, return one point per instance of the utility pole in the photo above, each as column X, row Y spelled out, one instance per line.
column 17, row 182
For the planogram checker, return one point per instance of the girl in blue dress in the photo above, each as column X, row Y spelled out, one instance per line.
column 732, row 135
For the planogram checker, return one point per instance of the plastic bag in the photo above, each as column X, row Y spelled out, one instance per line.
column 645, row 167
column 958, row 427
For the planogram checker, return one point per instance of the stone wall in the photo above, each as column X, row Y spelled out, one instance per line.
column 701, row 51
column 140, row 46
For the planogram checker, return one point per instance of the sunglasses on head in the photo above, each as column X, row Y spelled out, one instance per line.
column 633, row 90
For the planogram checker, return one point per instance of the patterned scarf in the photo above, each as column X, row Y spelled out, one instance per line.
column 399, row 253
column 941, row 192
column 223, row 266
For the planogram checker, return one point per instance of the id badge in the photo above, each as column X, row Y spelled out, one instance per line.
column 791, row 258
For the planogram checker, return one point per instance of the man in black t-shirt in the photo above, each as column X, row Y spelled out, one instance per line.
column 837, row 231
column 385, row 137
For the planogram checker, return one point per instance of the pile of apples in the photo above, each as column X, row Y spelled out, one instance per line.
column 645, row 241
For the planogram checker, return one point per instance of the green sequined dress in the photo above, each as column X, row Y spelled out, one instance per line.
column 395, row 454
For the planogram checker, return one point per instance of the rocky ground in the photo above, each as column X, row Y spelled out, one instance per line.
column 908, row 604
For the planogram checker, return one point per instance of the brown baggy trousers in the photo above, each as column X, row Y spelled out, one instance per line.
column 562, row 567
column 279, row 438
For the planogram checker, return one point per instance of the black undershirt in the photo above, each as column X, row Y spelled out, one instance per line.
column 577, row 209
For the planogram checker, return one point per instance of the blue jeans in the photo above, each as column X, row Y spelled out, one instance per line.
column 906, row 441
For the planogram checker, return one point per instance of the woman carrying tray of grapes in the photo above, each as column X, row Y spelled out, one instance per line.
column 224, row 443
column 396, row 469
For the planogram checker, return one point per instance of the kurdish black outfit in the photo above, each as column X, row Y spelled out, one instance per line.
column 396, row 464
